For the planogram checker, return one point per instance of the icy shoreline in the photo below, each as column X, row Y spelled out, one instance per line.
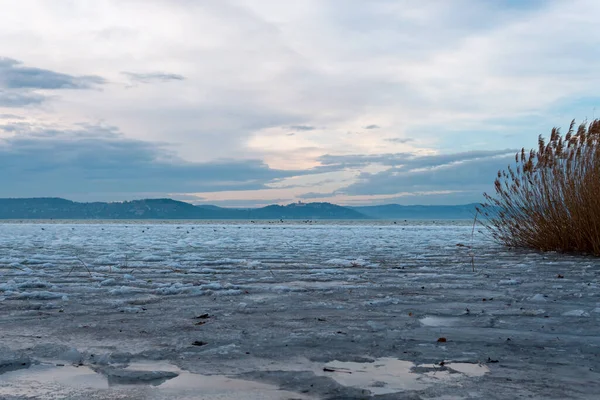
column 286, row 300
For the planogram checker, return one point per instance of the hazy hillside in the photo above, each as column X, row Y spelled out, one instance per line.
column 46, row 208
column 56, row 208
column 306, row 211
column 396, row 211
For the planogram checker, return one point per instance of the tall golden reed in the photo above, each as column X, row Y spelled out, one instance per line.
column 550, row 199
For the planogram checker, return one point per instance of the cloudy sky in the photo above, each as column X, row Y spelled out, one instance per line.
column 251, row 102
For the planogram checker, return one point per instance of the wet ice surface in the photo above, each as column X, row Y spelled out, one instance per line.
column 52, row 381
column 381, row 376
column 110, row 294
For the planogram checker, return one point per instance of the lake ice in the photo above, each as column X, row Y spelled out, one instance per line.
column 275, row 303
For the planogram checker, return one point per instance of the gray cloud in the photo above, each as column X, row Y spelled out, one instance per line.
column 408, row 160
column 13, row 75
column 452, row 158
column 11, row 116
column 244, row 203
column 373, row 126
column 315, row 195
column 312, row 184
column 302, row 128
column 473, row 171
column 48, row 162
column 151, row 77
column 400, row 140
column 19, row 98
column 360, row 160
column 431, row 198
column 14, row 127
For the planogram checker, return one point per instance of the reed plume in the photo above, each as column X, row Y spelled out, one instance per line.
column 550, row 199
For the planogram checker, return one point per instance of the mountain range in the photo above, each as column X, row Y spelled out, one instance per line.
column 57, row 208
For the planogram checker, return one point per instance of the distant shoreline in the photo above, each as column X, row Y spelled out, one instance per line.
column 169, row 209
column 246, row 222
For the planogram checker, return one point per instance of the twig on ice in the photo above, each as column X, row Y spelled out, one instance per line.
column 84, row 265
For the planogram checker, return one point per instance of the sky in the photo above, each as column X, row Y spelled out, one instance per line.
column 244, row 103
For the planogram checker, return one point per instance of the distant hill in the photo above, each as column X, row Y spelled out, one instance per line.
column 396, row 211
column 306, row 211
column 57, row 208
column 46, row 208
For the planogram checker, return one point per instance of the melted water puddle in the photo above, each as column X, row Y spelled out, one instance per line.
column 48, row 381
column 51, row 374
column 157, row 380
column 391, row 375
column 208, row 383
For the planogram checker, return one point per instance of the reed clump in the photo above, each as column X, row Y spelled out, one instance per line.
column 550, row 199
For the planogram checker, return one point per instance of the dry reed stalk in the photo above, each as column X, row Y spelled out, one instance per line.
column 472, row 239
column 83, row 264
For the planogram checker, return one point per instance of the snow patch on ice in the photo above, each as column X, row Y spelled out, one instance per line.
column 177, row 288
column 341, row 262
column 576, row 313
column 41, row 295
column 509, row 282
column 538, row 298
column 8, row 286
column 382, row 302
column 125, row 290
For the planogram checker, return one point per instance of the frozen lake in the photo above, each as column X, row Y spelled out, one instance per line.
column 277, row 302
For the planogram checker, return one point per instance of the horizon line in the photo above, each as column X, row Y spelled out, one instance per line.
column 239, row 207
